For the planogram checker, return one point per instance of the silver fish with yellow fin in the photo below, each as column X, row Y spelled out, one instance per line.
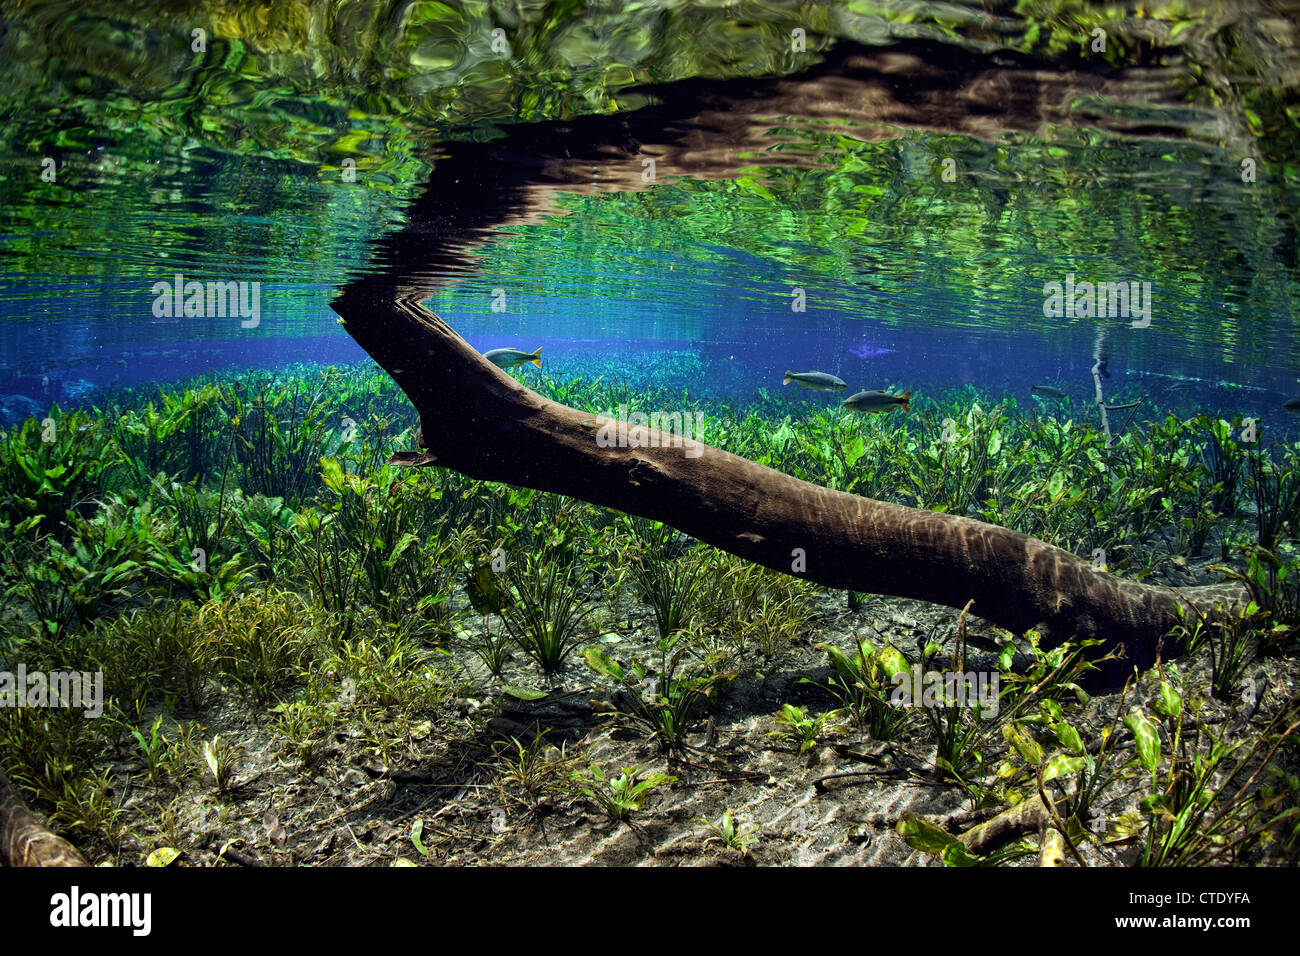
column 509, row 358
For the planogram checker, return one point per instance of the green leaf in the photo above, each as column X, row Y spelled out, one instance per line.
column 602, row 663
column 956, row 854
column 1171, row 702
column 523, row 693
column 483, row 591
column 417, row 830
column 163, row 856
column 855, row 451
column 1026, row 745
column 1147, row 736
column 1056, row 485
column 332, row 474
column 1068, row 736
column 1062, row 765
column 923, row 835
column 893, row 661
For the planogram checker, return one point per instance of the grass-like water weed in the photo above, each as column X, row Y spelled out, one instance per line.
column 530, row 770
column 661, row 701
column 545, row 619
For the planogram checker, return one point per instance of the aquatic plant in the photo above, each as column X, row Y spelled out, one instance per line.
column 53, row 466
column 259, row 642
column 729, row 832
column 267, row 528
column 1231, row 641
column 198, row 517
column 795, row 724
column 153, row 748
column 48, row 594
column 674, row 588
column 1206, row 799
column 535, row 768
column 87, row 807
column 546, row 616
column 492, row 649
column 1277, row 500
column 149, row 655
column 663, row 701
column 42, row 749
column 964, row 724
column 364, row 545
column 863, row 684
column 927, row 837
column 1224, row 460
column 1274, row 581
column 623, row 795
column 385, row 669
column 221, row 757
column 281, row 436
column 1095, row 770
column 306, row 726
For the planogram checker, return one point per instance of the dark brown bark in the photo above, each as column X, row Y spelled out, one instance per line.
column 24, row 838
column 481, row 422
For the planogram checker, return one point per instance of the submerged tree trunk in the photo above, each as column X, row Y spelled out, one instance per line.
column 24, row 838
column 484, row 424
column 481, row 422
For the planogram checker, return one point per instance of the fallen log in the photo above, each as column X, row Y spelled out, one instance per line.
column 479, row 421
column 24, row 838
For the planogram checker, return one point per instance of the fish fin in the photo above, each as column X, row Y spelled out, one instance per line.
column 906, row 397
column 789, row 377
column 537, row 357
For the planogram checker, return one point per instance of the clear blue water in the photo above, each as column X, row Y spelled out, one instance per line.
column 910, row 282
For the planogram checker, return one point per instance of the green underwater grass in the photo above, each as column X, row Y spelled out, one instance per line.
column 244, row 540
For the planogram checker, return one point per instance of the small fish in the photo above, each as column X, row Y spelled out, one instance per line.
column 1047, row 390
column 1292, row 404
column 817, row 381
column 509, row 358
column 877, row 401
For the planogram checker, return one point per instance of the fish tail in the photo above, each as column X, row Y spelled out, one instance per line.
column 905, row 398
column 537, row 358
column 789, row 377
